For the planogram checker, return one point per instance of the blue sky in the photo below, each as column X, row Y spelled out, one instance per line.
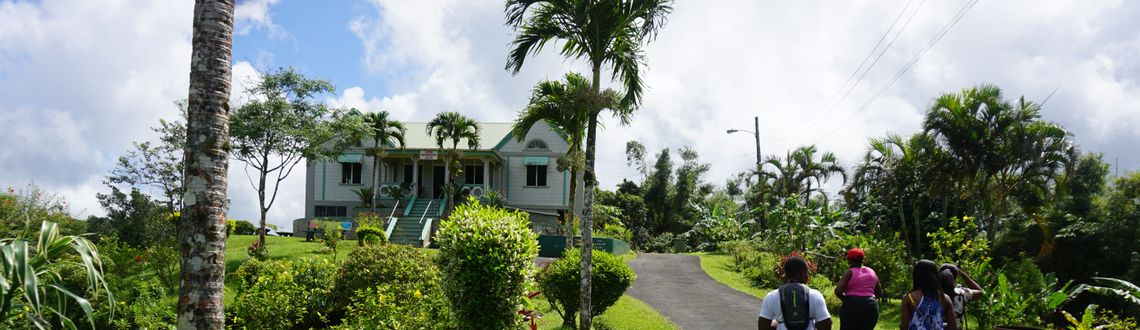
column 314, row 39
column 81, row 80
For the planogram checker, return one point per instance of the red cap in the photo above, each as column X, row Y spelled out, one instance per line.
column 855, row 254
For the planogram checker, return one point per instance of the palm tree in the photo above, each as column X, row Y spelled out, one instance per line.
column 997, row 147
column 455, row 127
column 799, row 170
column 604, row 32
column 202, row 231
column 384, row 131
column 564, row 106
column 904, row 170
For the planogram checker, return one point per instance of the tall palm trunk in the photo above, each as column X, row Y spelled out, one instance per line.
column 375, row 178
column 585, row 320
column 570, row 216
column 202, row 231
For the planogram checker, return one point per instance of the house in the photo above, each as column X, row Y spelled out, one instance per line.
column 524, row 174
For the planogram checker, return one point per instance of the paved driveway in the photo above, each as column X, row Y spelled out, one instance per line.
column 676, row 286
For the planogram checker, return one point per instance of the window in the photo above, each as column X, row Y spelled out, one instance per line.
column 537, row 144
column 350, row 173
column 536, row 175
column 408, row 173
column 323, row 211
column 473, row 174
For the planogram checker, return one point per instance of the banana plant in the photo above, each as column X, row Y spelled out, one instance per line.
column 31, row 288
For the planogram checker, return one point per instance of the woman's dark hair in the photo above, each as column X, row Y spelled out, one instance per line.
column 946, row 280
column 925, row 278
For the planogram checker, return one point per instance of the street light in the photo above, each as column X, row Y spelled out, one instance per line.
column 756, row 133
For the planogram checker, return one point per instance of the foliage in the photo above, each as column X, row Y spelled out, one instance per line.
column 384, row 132
column 242, row 227
column 367, row 196
column 453, row 127
column 257, row 251
column 887, row 256
column 331, row 236
column 615, row 230
column 141, row 306
column 560, row 283
column 283, row 294
column 629, row 210
column 157, row 165
column 800, row 173
column 398, row 305
column 718, row 226
column 22, row 210
column 486, row 257
column 663, row 243
column 133, row 218
column 370, row 235
column 758, row 266
column 371, row 265
column 230, row 225
column 281, row 125
column 31, row 290
column 493, row 197
column 1112, row 292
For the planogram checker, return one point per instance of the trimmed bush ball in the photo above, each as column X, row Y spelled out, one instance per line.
column 560, row 283
column 369, row 235
column 486, row 256
column 242, row 227
column 373, row 265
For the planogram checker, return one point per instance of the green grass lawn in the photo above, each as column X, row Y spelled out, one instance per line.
column 627, row 313
column 719, row 266
column 279, row 248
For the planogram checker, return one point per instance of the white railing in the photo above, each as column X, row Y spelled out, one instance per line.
column 391, row 227
column 394, row 207
column 426, row 211
column 426, row 232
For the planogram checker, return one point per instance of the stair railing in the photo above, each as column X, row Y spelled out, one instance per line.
column 394, row 207
column 391, row 227
column 411, row 203
column 426, row 211
column 425, row 234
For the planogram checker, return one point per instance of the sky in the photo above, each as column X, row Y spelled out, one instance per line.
column 80, row 80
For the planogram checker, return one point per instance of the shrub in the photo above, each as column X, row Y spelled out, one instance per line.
column 242, row 227
column 142, row 308
column 560, row 283
column 824, row 285
column 614, row 230
column 369, row 235
column 661, row 244
column 486, row 257
column 283, row 294
column 230, row 225
column 257, row 251
column 370, row 266
column 398, row 305
column 332, row 237
column 888, row 257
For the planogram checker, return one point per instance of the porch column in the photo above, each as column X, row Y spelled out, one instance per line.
column 416, row 177
column 486, row 175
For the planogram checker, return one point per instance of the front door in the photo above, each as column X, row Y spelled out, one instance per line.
column 438, row 179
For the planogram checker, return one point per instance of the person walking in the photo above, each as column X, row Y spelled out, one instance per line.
column 794, row 306
column 959, row 295
column 925, row 307
column 312, row 232
column 858, row 289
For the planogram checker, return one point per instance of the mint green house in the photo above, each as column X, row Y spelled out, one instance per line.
column 525, row 174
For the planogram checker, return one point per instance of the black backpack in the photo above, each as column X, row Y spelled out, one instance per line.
column 794, row 306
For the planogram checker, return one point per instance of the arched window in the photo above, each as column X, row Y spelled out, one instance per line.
column 537, row 145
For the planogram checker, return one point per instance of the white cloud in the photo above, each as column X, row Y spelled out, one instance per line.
column 714, row 66
column 255, row 15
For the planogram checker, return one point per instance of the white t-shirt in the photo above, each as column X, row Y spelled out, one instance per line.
column 817, row 308
column 961, row 297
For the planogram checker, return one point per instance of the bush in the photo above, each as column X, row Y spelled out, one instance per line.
column 821, row 283
column 397, row 305
column 560, row 283
column 257, row 251
column 230, row 225
column 754, row 264
column 141, row 308
column 614, row 230
column 242, row 227
column 283, row 294
column 369, row 235
column 486, row 257
column 370, row 266
column 661, row 244
column 888, row 257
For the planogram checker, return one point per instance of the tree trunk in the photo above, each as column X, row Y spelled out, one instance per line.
column 570, row 215
column 202, row 231
column 375, row 179
column 261, row 199
column 585, row 320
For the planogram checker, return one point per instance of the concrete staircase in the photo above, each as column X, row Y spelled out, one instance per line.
column 408, row 228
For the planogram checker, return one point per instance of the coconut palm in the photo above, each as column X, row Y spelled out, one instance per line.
column 564, row 106
column 384, row 132
column 603, row 32
column 800, row 173
column 900, row 170
column 32, row 293
column 454, row 127
column 202, row 231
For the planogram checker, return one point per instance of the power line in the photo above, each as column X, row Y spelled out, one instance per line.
column 945, row 29
column 813, row 118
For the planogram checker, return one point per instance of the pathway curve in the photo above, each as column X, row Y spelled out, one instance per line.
column 676, row 286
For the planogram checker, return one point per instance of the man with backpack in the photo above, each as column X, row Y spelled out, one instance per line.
column 794, row 306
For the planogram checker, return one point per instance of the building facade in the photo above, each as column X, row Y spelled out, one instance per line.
column 524, row 173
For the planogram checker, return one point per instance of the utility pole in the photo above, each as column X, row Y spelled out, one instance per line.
column 757, row 134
